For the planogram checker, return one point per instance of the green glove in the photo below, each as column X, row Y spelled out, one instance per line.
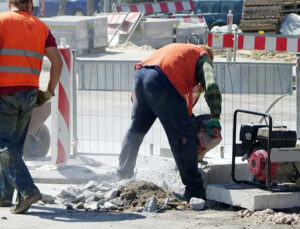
column 213, row 123
column 43, row 97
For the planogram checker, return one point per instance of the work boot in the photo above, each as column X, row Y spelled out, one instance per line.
column 179, row 196
column 187, row 196
column 23, row 204
column 200, row 195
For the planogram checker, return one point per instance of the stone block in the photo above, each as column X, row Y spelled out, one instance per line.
column 250, row 197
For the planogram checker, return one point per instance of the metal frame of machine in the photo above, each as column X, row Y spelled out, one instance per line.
column 274, row 154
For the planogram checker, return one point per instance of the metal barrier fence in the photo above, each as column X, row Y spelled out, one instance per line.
column 104, row 106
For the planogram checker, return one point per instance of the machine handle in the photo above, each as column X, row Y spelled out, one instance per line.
column 269, row 146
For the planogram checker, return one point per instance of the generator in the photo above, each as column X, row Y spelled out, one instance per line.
column 264, row 146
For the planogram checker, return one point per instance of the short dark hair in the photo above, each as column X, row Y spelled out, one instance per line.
column 16, row 2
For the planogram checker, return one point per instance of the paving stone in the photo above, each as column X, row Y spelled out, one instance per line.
column 151, row 204
column 110, row 206
column 92, row 206
column 99, row 195
column 197, row 204
column 111, row 194
column 90, row 185
column 48, row 199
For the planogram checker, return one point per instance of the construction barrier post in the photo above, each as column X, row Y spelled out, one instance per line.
column 298, row 97
column 235, row 44
column 229, row 30
column 61, row 106
column 74, row 104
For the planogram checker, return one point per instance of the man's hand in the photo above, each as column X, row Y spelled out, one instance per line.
column 213, row 123
column 43, row 97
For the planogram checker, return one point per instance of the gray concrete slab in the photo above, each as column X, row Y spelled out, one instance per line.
column 249, row 197
column 67, row 175
column 75, row 172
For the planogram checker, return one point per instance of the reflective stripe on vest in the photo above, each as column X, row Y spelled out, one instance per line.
column 24, row 53
column 16, row 69
column 21, row 52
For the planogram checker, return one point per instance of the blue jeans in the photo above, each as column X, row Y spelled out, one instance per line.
column 15, row 115
column 155, row 96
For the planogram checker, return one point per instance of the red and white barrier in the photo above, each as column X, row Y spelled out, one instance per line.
column 220, row 40
column 158, row 7
column 61, row 112
column 279, row 43
column 254, row 42
column 115, row 19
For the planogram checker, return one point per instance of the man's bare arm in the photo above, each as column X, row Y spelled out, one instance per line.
column 56, row 67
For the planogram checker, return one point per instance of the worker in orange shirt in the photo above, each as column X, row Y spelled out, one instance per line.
column 163, row 88
column 24, row 40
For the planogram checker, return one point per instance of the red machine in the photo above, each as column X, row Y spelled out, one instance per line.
column 264, row 146
column 258, row 164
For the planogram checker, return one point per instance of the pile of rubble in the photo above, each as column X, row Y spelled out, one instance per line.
column 129, row 46
column 134, row 196
column 271, row 217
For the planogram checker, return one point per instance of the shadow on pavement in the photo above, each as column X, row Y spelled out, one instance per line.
column 63, row 215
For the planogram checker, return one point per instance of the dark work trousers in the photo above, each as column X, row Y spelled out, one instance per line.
column 155, row 96
column 15, row 115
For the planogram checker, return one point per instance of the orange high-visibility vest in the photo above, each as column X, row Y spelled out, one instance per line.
column 22, row 48
column 178, row 62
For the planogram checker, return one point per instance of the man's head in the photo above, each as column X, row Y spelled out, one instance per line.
column 24, row 5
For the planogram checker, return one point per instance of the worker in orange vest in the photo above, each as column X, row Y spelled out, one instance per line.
column 24, row 40
column 163, row 88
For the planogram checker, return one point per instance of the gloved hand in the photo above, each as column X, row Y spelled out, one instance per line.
column 213, row 123
column 43, row 97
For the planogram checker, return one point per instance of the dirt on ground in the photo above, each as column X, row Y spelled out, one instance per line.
column 136, row 194
column 131, row 47
column 269, row 56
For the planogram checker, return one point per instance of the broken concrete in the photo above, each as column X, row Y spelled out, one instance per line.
column 151, row 204
column 197, row 204
column 111, row 194
column 271, row 217
column 131, row 195
column 110, row 206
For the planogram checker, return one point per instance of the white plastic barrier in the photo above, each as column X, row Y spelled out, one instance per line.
column 61, row 106
column 125, row 21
